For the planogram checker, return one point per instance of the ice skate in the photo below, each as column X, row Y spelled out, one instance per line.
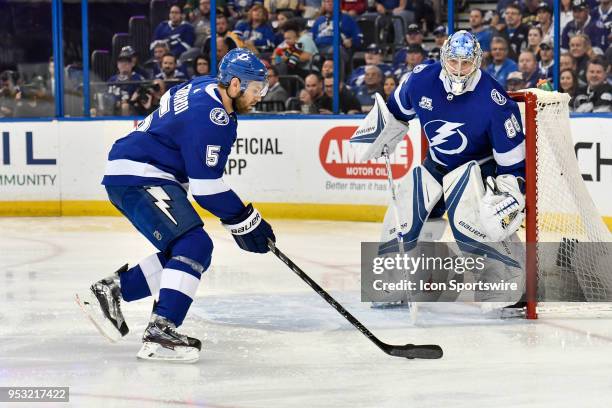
column 102, row 305
column 161, row 342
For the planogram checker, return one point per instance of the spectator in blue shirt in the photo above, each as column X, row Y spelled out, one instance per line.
column 373, row 56
column 256, row 31
column 323, row 30
column 583, row 24
column 122, row 85
column 179, row 34
column 602, row 13
column 482, row 32
column 502, row 65
column 373, row 83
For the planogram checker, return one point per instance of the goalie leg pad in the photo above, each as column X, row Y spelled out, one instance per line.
column 416, row 197
column 463, row 191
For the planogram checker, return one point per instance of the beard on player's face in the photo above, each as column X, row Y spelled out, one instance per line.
column 242, row 104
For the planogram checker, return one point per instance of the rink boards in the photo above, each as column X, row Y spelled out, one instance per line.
column 291, row 167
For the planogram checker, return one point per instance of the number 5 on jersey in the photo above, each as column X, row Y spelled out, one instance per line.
column 212, row 155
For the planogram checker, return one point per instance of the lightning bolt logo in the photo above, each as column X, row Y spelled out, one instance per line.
column 161, row 198
column 442, row 134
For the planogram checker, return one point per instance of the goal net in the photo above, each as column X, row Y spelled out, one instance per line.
column 569, row 255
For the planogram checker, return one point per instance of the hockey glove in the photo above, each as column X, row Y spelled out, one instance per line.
column 250, row 230
column 501, row 208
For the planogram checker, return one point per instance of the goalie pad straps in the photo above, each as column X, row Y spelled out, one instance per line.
column 416, row 197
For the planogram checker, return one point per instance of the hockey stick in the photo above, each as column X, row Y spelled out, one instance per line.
column 428, row 351
column 400, row 237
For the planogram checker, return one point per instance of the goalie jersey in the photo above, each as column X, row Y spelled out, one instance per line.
column 481, row 124
column 186, row 141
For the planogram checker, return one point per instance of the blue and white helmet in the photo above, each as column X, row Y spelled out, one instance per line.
column 243, row 64
column 460, row 56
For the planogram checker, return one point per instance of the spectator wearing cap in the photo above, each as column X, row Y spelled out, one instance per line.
column 501, row 66
column 515, row 82
column 276, row 92
column 373, row 56
column 396, row 8
column 597, row 95
column 546, row 66
column 568, row 83
column 414, row 57
column 347, row 103
column 200, row 20
column 602, row 13
column 354, row 8
column 372, row 84
column 515, row 32
column 545, row 21
column 137, row 68
column 439, row 38
column 414, row 37
column 323, row 31
column 178, row 33
column 584, row 24
column 122, row 85
column 482, row 32
column 169, row 71
column 293, row 56
column 256, row 32
column 528, row 66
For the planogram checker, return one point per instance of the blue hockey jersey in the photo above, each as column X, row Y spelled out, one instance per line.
column 187, row 141
column 480, row 124
column 180, row 38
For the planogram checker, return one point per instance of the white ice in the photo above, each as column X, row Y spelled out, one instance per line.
column 268, row 339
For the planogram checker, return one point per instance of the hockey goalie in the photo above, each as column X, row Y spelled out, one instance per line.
column 474, row 169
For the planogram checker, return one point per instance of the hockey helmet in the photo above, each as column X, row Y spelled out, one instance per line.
column 460, row 56
column 243, row 64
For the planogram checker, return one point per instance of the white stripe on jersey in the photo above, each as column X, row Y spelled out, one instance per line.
column 202, row 187
column 396, row 93
column 180, row 281
column 511, row 157
column 125, row 167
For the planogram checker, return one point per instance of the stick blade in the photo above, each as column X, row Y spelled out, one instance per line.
column 411, row 351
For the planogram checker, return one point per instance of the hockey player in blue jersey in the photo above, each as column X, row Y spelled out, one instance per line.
column 475, row 135
column 184, row 144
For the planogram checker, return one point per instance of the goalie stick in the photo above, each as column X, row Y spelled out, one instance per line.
column 410, row 351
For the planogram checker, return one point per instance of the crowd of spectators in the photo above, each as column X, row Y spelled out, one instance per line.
column 294, row 38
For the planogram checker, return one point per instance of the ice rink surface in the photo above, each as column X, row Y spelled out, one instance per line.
column 268, row 339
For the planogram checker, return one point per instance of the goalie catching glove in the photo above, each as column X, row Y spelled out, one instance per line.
column 250, row 230
column 501, row 208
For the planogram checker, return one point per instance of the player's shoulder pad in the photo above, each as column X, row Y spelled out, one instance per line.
column 207, row 102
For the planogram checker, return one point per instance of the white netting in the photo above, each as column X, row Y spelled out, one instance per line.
column 574, row 256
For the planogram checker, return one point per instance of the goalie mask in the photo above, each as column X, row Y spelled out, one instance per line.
column 460, row 57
